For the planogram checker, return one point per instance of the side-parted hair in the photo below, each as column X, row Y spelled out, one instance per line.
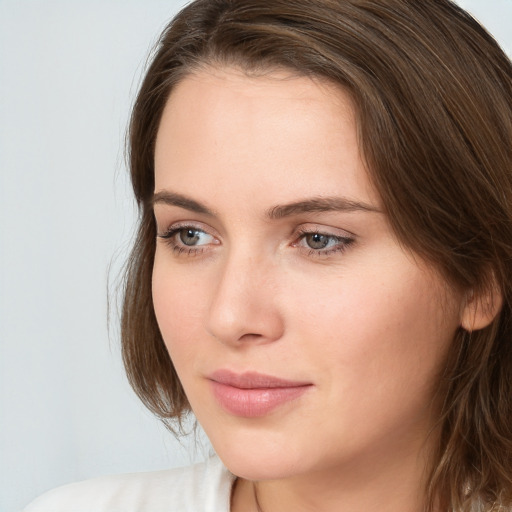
column 433, row 96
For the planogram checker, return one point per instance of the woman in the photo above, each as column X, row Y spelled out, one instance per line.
column 323, row 270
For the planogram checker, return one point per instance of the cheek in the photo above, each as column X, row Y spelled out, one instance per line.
column 179, row 303
column 379, row 333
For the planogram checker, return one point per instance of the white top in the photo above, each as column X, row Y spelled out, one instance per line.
column 204, row 487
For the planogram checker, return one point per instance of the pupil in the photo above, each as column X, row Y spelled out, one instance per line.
column 317, row 241
column 189, row 236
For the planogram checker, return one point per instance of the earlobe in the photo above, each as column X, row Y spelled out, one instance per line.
column 481, row 308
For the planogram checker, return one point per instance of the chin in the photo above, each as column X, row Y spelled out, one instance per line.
column 259, row 468
column 259, row 458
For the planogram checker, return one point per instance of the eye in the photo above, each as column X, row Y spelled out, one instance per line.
column 321, row 244
column 193, row 237
column 187, row 238
column 319, row 241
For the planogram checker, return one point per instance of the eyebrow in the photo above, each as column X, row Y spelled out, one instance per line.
column 313, row 205
column 318, row 205
column 173, row 199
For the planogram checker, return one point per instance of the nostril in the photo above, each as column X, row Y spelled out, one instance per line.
column 250, row 337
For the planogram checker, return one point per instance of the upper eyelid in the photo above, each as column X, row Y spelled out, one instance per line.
column 325, row 230
column 343, row 239
column 184, row 224
column 303, row 228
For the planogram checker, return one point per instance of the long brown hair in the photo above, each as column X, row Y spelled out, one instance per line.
column 433, row 93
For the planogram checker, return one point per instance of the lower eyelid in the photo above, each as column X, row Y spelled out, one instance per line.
column 170, row 238
column 343, row 244
column 170, row 235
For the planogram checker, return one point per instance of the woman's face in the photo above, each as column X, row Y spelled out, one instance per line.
column 305, row 336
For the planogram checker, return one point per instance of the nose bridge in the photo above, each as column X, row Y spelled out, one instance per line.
column 243, row 304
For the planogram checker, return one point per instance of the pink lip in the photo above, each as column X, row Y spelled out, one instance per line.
column 253, row 394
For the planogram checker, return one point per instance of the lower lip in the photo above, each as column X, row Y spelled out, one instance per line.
column 254, row 402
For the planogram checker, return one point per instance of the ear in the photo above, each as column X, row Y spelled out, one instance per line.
column 481, row 308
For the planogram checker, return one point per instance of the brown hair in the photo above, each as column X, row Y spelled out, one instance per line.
column 433, row 93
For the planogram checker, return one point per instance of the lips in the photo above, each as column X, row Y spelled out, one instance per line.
column 253, row 394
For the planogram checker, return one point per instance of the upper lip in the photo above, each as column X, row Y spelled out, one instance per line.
column 253, row 380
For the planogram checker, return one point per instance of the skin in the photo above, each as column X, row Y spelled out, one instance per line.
column 367, row 324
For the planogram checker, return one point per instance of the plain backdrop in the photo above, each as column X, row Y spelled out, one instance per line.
column 68, row 74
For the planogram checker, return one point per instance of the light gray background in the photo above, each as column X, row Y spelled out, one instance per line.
column 68, row 74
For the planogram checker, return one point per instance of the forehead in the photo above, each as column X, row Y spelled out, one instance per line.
column 273, row 130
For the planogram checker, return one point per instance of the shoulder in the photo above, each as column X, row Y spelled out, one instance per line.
column 204, row 487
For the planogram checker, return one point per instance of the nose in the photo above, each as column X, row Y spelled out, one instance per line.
column 244, row 303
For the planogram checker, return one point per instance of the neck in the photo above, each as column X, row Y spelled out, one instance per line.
column 395, row 485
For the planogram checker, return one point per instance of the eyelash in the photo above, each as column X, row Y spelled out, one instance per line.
column 341, row 242
column 169, row 238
